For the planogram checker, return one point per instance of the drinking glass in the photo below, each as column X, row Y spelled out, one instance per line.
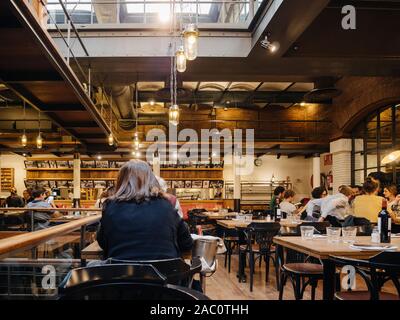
column 375, row 237
column 307, row 232
column 349, row 234
column 248, row 217
column 333, row 234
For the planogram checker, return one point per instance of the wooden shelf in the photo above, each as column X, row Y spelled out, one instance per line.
column 193, row 179
column 71, row 169
column 69, row 179
column 192, row 169
column 7, row 179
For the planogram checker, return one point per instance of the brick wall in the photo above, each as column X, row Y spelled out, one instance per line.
column 360, row 97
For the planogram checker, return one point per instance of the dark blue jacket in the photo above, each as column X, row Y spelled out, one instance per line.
column 149, row 230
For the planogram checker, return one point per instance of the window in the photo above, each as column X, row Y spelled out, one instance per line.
column 373, row 139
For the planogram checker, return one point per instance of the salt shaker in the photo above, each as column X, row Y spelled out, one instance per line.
column 375, row 238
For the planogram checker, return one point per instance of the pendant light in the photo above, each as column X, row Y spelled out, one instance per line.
column 180, row 59
column 110, row 136
column 24, row 139
column 136, row 141
column 39, row 139
column 391, row 157
column 173, row 113
column 190, row 36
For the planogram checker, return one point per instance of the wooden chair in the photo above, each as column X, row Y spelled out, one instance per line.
column 259, row 240
column 375, row 272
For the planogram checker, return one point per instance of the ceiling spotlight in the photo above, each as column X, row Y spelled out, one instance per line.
column 99, row 157
column 303, row 103
column 271, row 46
column 152, row 102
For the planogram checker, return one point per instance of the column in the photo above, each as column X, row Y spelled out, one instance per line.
column 341, row 163
column 316, row 171
column 77, row 180
column 236, row 182
column 156, row 165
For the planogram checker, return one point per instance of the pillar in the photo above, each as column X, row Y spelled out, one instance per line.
column 77, row 180
column 316, row 169
column 236, row 182
column 341, row 163
column 156, row 165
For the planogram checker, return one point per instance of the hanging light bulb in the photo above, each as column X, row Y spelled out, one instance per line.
column 191, row 35
column 24, row 140
column 110, row 139
column 174, row 115
column 180, row 60
column 39, row 141
column 136, row 141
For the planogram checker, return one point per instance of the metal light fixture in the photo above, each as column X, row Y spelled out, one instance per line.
column 270, row 46
column 391, row 157
column 24, row 139
column 111, row 136
column 136, row 141
column 180, row 59
column 39, row 139
column 174, row 115
column 191, row 35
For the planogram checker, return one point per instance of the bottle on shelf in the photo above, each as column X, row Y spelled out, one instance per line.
column 384, row 224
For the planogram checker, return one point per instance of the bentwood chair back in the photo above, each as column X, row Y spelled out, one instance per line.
column 375, row 272
column 122, row 282
column 176, row 271
column 259, row 239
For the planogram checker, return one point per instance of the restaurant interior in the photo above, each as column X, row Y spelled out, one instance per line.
column 262, row 135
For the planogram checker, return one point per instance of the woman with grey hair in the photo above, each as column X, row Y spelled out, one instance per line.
column 171, row 198
column 138, row 221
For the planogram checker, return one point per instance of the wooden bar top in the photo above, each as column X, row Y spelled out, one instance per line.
column 319, row 247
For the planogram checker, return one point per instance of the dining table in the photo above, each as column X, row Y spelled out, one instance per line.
column 240, row 223
column 321, row 248
column 217, row 215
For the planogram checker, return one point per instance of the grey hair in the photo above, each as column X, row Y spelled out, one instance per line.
column 162, row 183
column 136, row 182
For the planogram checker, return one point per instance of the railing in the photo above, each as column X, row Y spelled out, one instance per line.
column 107, row 12
column 32, row 264
column 70, row 36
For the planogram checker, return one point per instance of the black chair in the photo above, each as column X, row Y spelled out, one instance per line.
column 122, row 282
column 259, row 239
column 196, row 219
column 231, row 240
column 303, row 273
column 375, row 272
column 176, row 271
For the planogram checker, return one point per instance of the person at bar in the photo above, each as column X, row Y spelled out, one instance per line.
column 170, row 197
column 278, row 193
column 336, row 206
column 41, row 219
column 104, row 196
column 369, row 204
column 27, row 196
column 138, row 221
column 14, row 200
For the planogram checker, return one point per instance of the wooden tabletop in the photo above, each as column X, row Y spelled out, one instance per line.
column 232, row 224
column 320, row 247
column 95, row 252
column 217, row 215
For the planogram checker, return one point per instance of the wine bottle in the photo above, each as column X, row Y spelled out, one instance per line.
column 384, row 224
column 277, row 210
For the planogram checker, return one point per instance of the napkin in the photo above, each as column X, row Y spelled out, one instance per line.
column 373, row 248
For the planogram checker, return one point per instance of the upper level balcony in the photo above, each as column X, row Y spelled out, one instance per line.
column 155, row 14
